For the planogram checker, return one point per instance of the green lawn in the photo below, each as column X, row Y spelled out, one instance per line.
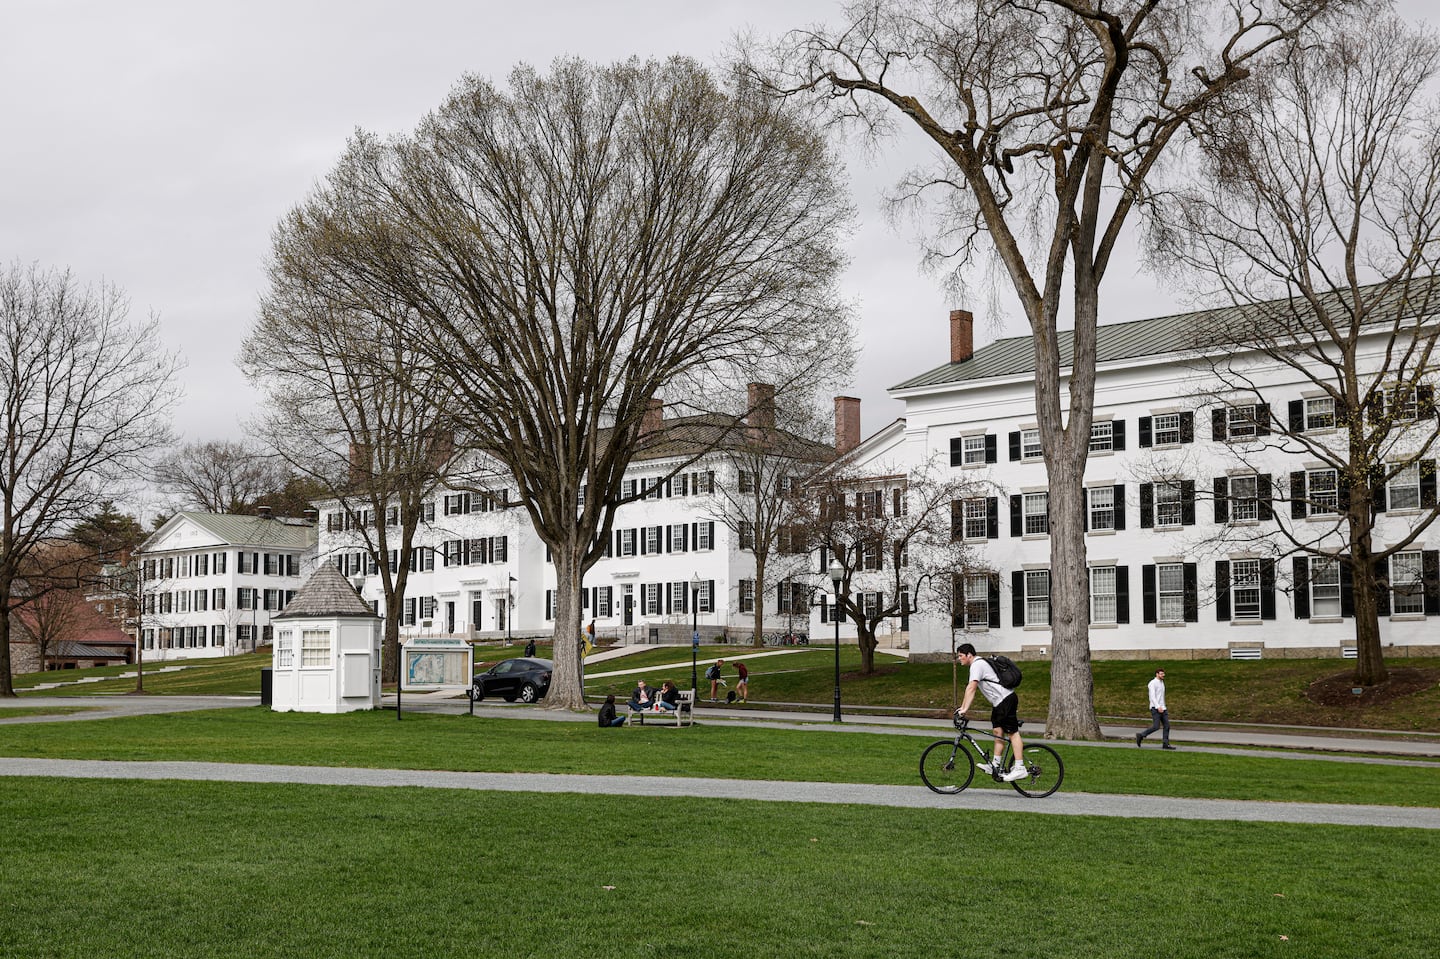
column 181, row 869
column 432, row 741
column 12, row 711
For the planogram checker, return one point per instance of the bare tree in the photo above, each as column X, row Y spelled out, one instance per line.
column 573, row 248
column 1049, row 117
column 763, row 507
column 352, row 408
column 217, row 476
column 1319, row 216
column 85, row 396
column 891, row 532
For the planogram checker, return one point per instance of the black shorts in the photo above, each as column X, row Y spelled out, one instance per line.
column 1003, row 716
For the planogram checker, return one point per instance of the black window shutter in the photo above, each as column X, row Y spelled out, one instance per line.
column 1147, row 592
column 1122, row 594
column 1145, row 431
column 1084, row 510
column 1187, row 427
column 670, row 599
column 1425, row 402
column 1300, row 567
column 1222, row 590
column 1192, row 593
column 992, row 599
column 1187, row 502
column 1347, row 587
column 1427, row 484
column 990, row 451
column 669, row 545
column 1217, row 424
column 549, row 604
column 1016, row 526
column 710, row 608
column 1264, row 505
column 992, row 517
column 1342, row 490
column 957, row 520
column 1430, row 572
column 1222, row 505
column 1147, row 506
column 957, row 454
column 1014, row 447
column 1017, row 599
column 1377, row 489
column 1297, row 416
column 1267, row 589
column 1297, row 495
column 1262, row 419
column 1381, row 578
column 1117, row 435
column 1119, row 506
column 710, row 533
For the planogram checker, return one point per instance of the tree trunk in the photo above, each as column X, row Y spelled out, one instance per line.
column 865, row 637
column 1370, row 667
column 566, row 688
column 7, row 684
column 1072, row 689
column 758, row 639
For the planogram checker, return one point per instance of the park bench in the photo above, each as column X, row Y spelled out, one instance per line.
column 682, row 715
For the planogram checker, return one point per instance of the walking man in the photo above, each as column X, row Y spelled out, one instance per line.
column 1003, row 703
column 1159, row 715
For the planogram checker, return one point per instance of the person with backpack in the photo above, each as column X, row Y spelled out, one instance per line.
column 713, row 674
column 1003, row 718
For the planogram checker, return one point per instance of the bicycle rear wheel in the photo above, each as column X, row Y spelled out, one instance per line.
column 1046, row 771
column 947, row 767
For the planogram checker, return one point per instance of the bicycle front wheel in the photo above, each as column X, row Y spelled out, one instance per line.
column 947, row 767
column 1046, row 771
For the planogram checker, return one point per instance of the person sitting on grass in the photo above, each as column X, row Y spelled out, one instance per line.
column 608, row 719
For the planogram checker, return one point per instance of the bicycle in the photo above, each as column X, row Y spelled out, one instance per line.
column 947, row 767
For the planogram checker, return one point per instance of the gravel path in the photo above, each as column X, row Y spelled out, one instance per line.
column 914, row 797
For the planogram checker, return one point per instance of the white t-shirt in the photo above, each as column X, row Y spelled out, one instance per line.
column 1157, row 694
column 983, row 673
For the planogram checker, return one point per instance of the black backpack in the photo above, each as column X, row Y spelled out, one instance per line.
column 1005, row 670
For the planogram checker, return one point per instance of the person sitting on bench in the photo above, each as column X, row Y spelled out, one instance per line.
column 669, row 696
column 642, row 698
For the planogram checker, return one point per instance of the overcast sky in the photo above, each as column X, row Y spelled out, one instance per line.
column 155, row 145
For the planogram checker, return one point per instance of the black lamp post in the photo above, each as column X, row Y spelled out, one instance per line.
column 695, row 623
column 837, row 573
column 509, row 608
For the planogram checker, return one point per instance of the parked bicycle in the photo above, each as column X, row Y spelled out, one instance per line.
column 786, row 639
column 948, row 767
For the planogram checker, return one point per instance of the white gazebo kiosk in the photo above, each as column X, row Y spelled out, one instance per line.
column 327, row 649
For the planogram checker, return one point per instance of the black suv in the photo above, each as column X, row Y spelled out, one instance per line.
column 527, row 680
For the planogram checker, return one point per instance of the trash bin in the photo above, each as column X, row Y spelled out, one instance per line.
column 267, row 686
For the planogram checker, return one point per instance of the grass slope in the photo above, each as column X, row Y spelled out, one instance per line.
column 430, row 741
column 215, row 870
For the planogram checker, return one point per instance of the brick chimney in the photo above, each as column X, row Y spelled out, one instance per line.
column 760, row 416
column 654, row 416
column 847, row 424
column 962, row 335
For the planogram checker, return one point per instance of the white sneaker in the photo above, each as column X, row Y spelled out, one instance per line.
column 1018, row 771
column 985, row 768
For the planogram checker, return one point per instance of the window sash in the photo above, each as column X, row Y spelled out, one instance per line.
column 973, row 451
column 1245, row 589
column 1170, row 592
column 1037, row 597
column 1320, row 413
column 1103, row 605
column 315, row 647
column 1030, row 448
column 1240, row 422
column 1322, row 490
column 1036, row 513
column 1165, row 429
column 1244, row 499
column 1404, row 488
column 977, row 602
column 1167, row 504
column 977, row 519
column 1102, row 507
column 1407, row 588
column 1102, row 437
column 1324, row 587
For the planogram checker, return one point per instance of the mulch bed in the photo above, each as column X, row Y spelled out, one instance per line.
column 1338, row 690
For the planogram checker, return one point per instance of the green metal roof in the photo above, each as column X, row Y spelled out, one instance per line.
column 237, row 530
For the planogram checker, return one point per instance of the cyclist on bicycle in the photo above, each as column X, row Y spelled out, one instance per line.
column 1003, row 703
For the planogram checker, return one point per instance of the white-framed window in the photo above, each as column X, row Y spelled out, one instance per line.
column 973, row 450
column 1322, row 489
column 627, row 542
column 1407, row 588
column 314, row 647
column 1324, row 587
column 217, row 635
column 1036, row 515
column 977, row 602
column 1404, row 488
column 1101, row 506
column 1030, row 448
column 1245, row 590
column 745, row 481
column 703, row 536
column 747, row 596
column 1170, row 592
column 1102, row 594
column 284, row 649
column 1037, row 597
column 976, row 519
column 652, row 539
column 1165, row 429
column 1240, row 422
column 870, row 605
column 678, row 601
column 1168, row 502
column 650, row 599
column 704, row 602
column 1400, row 404
column 1102, row 437
column 1319, row 413
column 1244, row 499
column 678, row 537
column 604, row 602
